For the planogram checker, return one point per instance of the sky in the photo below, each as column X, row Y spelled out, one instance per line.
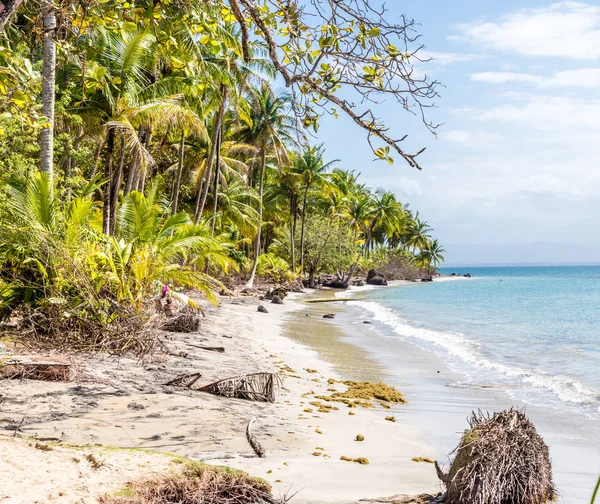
column 513, row 175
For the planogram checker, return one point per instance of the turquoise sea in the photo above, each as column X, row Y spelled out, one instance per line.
column 525, row 337
column 534, row 332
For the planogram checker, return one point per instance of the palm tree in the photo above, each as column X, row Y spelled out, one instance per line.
column 418, row 233
column 387, row 216
column 272, row 130
column 432, row 255
column 287, row 186
column 125, row 101
column 312, row 168
column 161, row 246
column 230, row 76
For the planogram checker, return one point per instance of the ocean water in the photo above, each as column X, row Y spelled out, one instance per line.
column 531, row 332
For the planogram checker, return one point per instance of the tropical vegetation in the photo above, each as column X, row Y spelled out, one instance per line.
column 149, row 144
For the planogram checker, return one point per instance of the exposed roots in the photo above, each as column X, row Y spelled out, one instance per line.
column 186, row 322
column 262, row 387
column 119, row 332
column 199, row 483
column 500, row 460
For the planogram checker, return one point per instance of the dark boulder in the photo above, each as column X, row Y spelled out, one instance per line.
column 428, row 279
column 329, row 316
column 276, row 300
column 336, row 284
column 367, row 322
column 375, row 277
column 262, row 309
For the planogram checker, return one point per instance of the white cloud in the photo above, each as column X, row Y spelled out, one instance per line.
column 558, row 114
column 463, row 137
column 584, row 77
column 564, row 29
column 449, row 58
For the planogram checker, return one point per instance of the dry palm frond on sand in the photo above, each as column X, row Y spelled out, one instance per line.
column 500, row 459
column 261, row 387
column 38, row 368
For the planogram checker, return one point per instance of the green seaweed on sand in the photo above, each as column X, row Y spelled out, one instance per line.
column 361, row 393
column 423, row 459
column 323, row 408
column 359, row 460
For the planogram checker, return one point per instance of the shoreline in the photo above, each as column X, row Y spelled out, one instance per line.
column 122, row 403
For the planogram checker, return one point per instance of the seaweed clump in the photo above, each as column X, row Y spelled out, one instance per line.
column 362, row 393
column 359, row 460
column 500, row 459
column 196, row 483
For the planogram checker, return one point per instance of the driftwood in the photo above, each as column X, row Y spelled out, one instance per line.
column 219, row 349
column 261, row 387
column 258, row 449
column 17, row 369
column 500, row 459
column 186, row 380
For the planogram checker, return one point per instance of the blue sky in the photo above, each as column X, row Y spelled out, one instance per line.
column 513, row 175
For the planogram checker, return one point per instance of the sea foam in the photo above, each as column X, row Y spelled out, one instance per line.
column 521, row 382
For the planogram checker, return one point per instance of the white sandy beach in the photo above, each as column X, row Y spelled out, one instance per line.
column 122, row 403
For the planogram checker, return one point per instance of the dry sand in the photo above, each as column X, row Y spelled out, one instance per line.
column 122, row 403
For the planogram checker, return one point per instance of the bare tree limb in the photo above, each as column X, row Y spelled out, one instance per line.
column 7, row 9
column 241, row 19
column 351, row 46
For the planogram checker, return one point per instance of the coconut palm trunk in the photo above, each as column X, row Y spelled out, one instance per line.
column 177, row 184
column 110, row 144
column 48, row 83
column 303, row 226
column 293, row 233
column 203, row 192
column 216, row 190
column 263, row 163
column 116, row 187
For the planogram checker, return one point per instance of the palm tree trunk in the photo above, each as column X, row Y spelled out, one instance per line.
column 48, row 84
column 303, row 227
column 201, row 200
column 110, row 144
column 179, row 172
column 116, row 186
column 96, row 159
column 140, row 182
column 216, row 194
column 293, row 233
column 263, row 162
